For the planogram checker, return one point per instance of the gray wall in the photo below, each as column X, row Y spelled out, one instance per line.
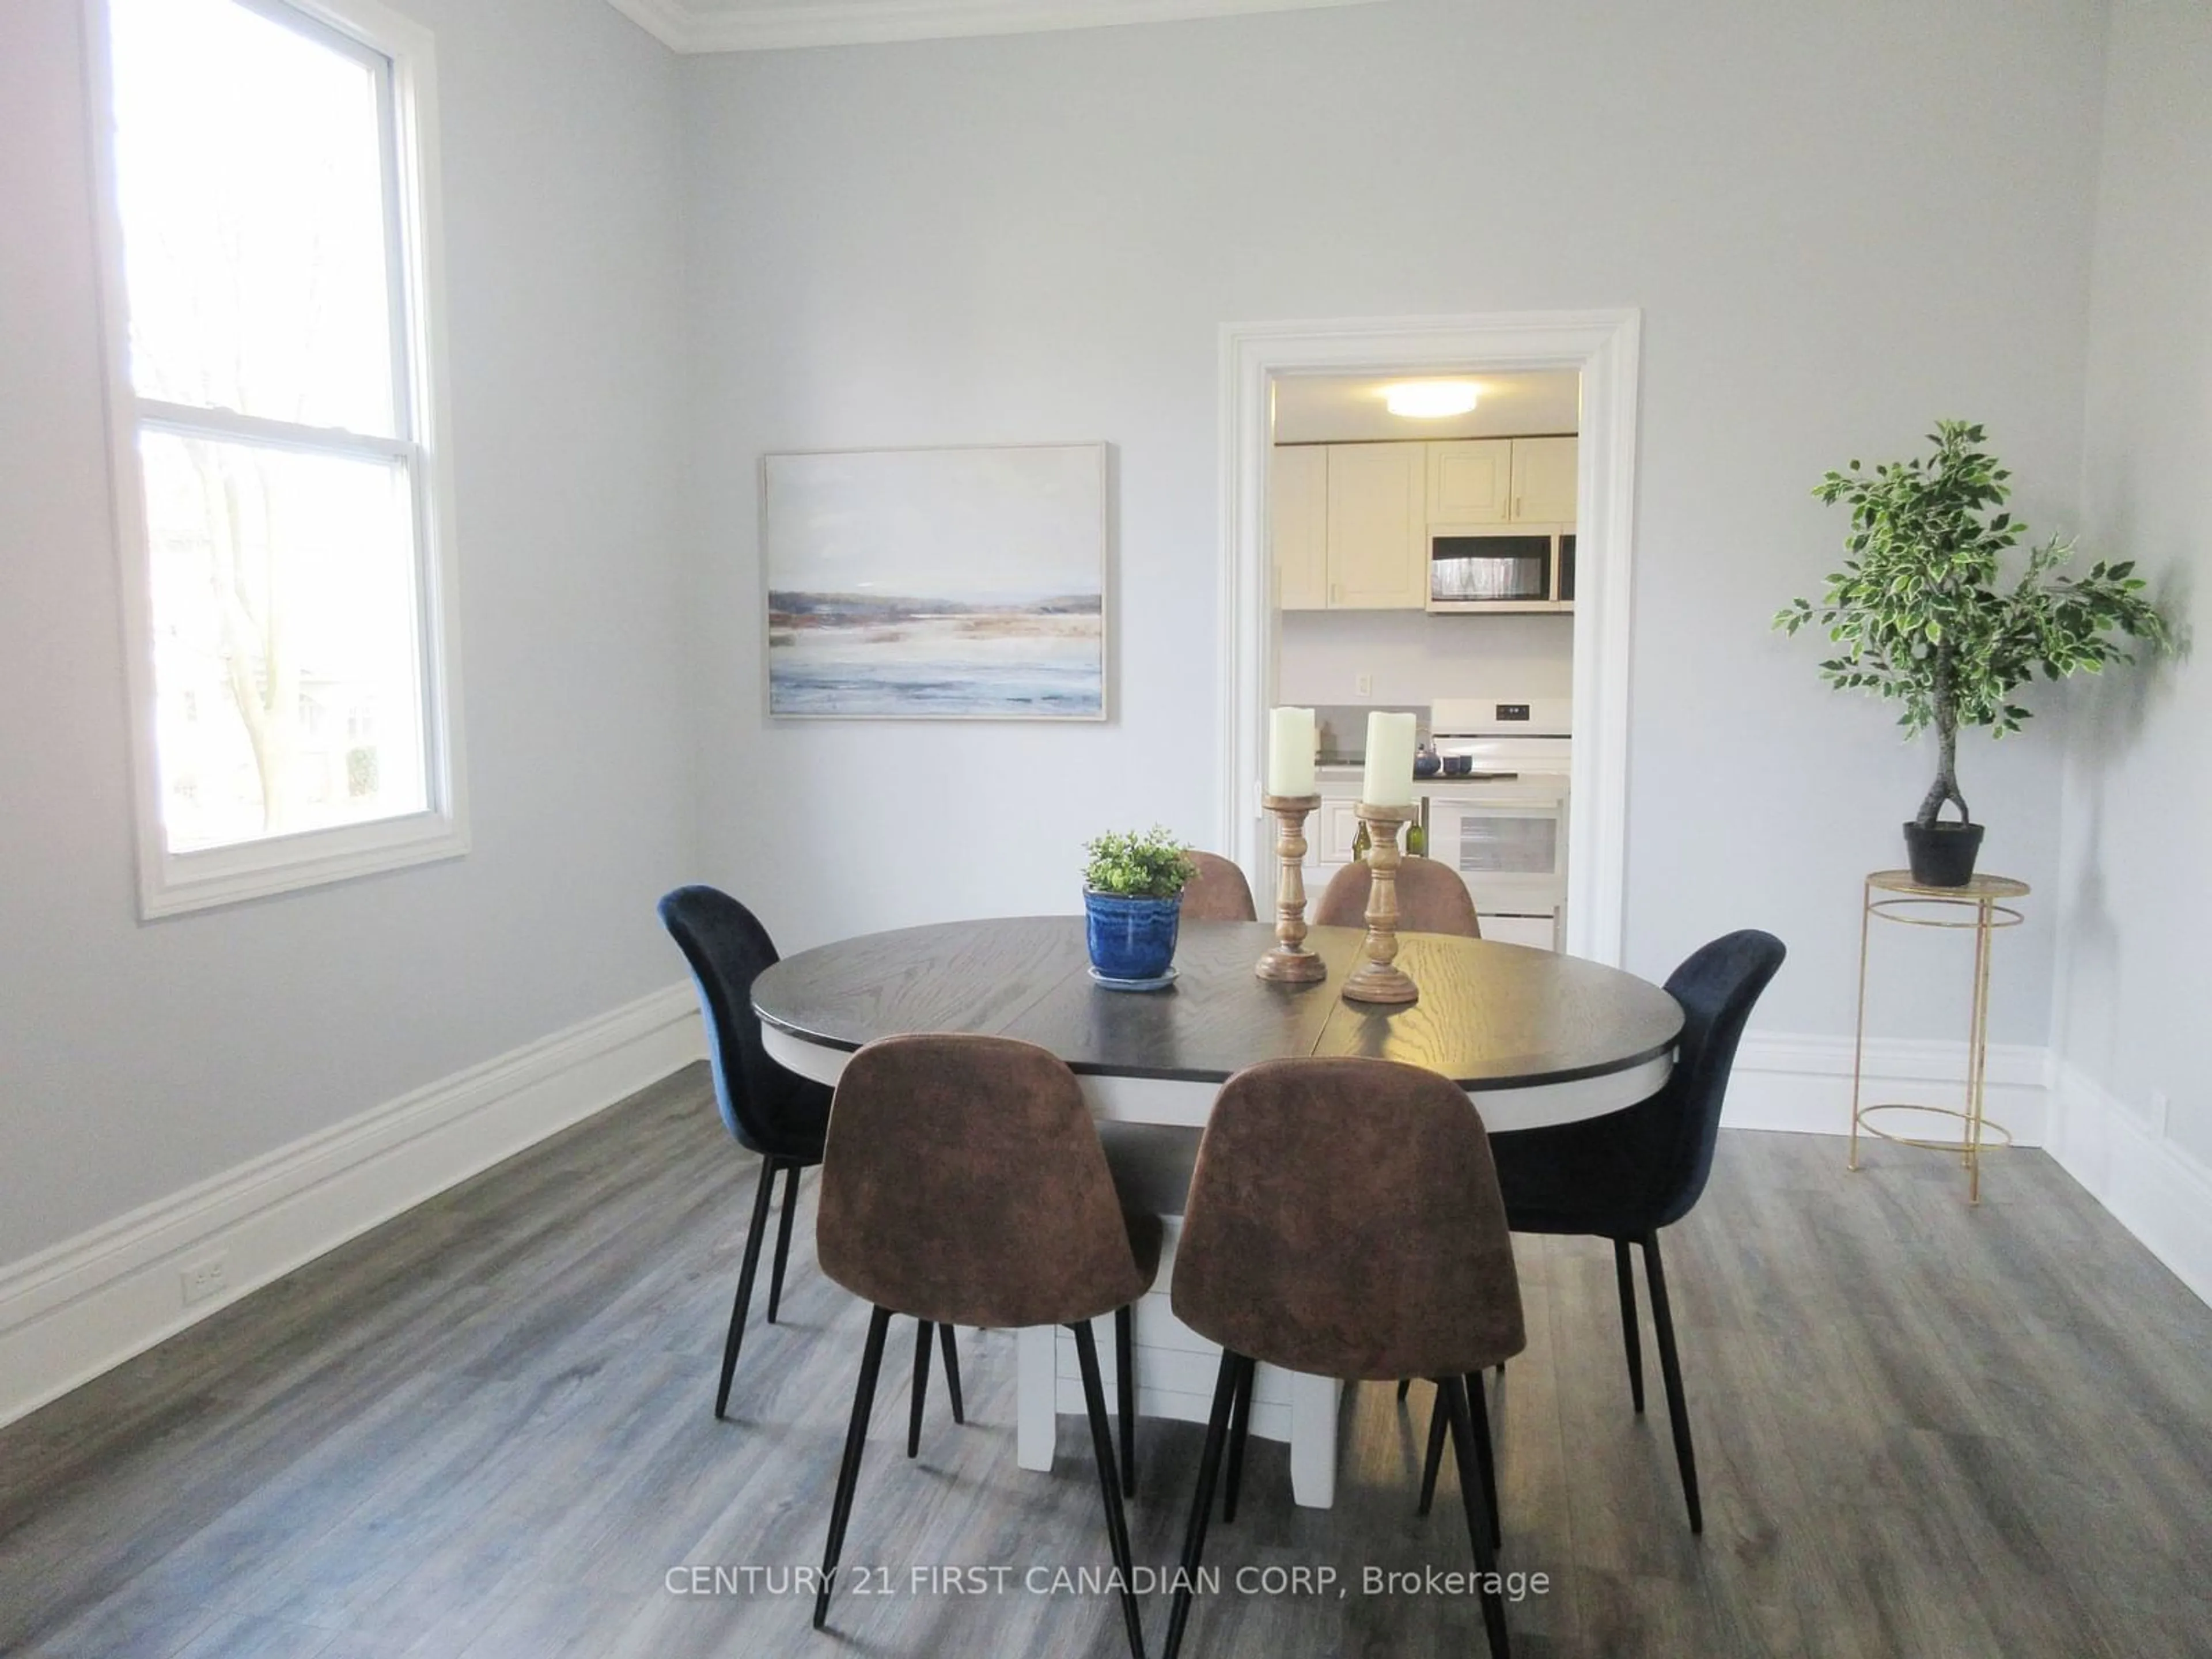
column 2138, row 900
column 1839, row 225
column 137, row 1060
column 1840, row 222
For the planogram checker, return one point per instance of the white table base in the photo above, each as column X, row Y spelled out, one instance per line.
column 1176, row 1371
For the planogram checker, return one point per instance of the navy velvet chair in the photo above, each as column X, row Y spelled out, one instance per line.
column 1625, row 1176
column 772, row 1111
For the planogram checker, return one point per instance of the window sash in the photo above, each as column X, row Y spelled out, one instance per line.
column 399, row 51
column 202, row 421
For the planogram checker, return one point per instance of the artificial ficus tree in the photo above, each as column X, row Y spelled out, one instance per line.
column 1919, row 613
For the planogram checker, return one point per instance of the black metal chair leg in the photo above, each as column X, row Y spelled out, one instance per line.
column 951, row 1371
column 1453, row 1389
column 782, row 1241
column 742, row 1302
column 848, row 1471
column 1125, row 1393
column 1439, row 1424
column 1484, row 1457
column 1240, row 1430
column 922, row 1337
column 1404, row 1384
column 1201, row 1502
column 1101, row 1448
column 1629, row 1339
column 1670, row 1368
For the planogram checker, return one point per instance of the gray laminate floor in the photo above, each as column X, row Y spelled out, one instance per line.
column 484, row 1430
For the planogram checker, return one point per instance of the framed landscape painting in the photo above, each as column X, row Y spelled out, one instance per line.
column 936, row 583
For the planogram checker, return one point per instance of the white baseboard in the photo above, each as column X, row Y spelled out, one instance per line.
column 2154, row 1188
column 1803, row 1084
column 89, row 1302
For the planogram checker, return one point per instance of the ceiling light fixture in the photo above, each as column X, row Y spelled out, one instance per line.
column 1430, row 400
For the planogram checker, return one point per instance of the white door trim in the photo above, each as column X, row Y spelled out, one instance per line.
column 1605, row 346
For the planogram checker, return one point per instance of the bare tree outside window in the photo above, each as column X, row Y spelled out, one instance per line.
column 255, row 163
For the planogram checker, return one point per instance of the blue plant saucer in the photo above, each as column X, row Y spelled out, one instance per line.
column 1106, row 983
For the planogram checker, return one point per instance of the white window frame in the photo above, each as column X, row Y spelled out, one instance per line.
column 172, row 883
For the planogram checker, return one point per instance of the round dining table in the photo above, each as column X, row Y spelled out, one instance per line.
column 1535, row 1038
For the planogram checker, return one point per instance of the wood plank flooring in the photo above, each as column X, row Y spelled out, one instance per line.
column 484, row 1430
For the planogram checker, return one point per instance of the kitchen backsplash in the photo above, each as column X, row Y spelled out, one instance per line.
column 1341, row 728
column 1412, row 658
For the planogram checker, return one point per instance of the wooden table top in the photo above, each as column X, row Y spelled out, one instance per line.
column 1490, row 1016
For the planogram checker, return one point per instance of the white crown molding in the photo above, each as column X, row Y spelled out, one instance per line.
column 783, row 25
column 91, row 1302
column 669, row 22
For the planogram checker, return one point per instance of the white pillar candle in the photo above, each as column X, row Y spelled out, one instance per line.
column 1290, row 751
column 1389, row 777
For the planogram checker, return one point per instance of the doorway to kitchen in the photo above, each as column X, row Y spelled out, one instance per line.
column 1259, row 361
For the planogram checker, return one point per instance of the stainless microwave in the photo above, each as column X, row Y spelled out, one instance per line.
column 1501, row 567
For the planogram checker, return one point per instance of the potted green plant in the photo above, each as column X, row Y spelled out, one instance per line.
column 1133, row 905
column 1919, row 616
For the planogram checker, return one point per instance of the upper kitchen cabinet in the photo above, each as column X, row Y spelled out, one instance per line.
column 1349, row 524
column 1475, row 481
column 1378, row 547
column 1298, row 524
column 1471, row 481
column 1543, row 480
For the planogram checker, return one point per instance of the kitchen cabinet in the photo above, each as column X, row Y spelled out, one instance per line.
column 1544, row 480
column 1298, row 524
column 1348, row 524
column 1335, row 828
column 1502, row 481
column 1471, row 481
column 1377, row 526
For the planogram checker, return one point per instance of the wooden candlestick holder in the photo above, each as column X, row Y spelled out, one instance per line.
column 1290, row 962
column 1379, row 978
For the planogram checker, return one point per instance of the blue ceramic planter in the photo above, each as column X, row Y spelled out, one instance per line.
column 1131, row 937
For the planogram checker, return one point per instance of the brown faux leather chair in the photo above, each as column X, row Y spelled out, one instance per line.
column 1344, row 1220
column 1218, row 892
column 964, row 1183
column 1432, row 899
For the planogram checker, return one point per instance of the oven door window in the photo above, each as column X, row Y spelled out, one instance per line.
column 1508, row 844
column 1490, row 567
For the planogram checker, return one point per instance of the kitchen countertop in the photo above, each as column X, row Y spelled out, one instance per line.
column 1350, row 772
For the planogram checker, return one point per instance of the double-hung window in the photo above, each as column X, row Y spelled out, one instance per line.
column 280, row 482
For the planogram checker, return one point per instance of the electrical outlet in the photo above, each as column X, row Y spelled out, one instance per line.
column 1363, row 684
column 204, row 1278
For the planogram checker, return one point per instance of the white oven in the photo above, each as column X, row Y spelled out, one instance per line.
column 1509, row 843
column 1503, row 823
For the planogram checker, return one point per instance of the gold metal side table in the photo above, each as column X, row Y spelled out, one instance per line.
column 1894, row 895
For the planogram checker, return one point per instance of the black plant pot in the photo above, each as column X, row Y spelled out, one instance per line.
column 1942, row 854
